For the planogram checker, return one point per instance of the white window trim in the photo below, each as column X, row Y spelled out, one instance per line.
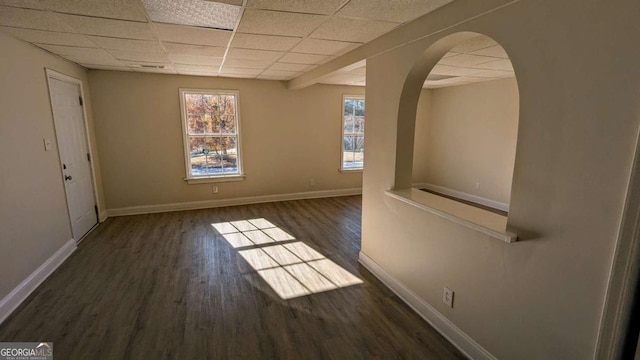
column 342, row 168
column 185, row 139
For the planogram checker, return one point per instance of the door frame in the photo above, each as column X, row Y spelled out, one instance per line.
column 52, row 74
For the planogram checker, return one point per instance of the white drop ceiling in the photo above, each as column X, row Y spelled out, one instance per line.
column 263, row 39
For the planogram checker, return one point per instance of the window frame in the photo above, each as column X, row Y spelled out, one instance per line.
column 346, row 97
column 236, row 176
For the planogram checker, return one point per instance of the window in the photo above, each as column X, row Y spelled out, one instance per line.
column 352, row 132
column 211, row 127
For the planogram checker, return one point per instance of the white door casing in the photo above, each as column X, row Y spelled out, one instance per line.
column 71, row 136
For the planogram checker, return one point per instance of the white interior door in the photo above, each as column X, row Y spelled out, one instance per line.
column 72, row 142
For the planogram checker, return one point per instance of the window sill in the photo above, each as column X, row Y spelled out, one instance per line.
column 350, row 171
column 480, row 220
column 217, row 179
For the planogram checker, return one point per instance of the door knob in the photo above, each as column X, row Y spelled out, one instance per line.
column 67, row 177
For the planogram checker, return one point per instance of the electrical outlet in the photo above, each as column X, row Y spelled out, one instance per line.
column 312, row 181
column 447, row 297
column 214, row 189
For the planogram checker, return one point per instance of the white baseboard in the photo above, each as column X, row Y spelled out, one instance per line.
column 446, row 328
column 26, row 287
column 463, row 196
column 194, row 205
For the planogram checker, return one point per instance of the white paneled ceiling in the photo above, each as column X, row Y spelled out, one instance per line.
column 265, row 39
column 475, row 60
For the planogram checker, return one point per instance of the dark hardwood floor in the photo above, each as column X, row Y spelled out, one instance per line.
column 169, row 286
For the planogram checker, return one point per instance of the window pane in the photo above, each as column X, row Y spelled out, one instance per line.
column 348, row 107
column 229, row 154
column 196, row 124
column 193, row 104
column 228, row 104
column 227, row 124
column 202, row 156
column 359, row 107
column 348, row 124
column 358, row 124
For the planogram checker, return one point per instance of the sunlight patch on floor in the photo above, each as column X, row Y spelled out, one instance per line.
column 292, row 269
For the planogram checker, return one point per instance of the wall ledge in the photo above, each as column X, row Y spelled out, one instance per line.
column 446, row 328
column 464, row 196
column 472, row 217
column 195, row 205
column 11, row 302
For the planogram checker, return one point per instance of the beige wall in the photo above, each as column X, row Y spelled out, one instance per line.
column 33, row 215
column 288, row 137
column 579, row 83
column 469, row 135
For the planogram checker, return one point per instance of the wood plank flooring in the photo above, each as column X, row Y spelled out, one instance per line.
column 169, row 286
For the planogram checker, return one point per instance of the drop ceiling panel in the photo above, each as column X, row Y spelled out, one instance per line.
column 195, row 60
column 280, row 74
column 492, row 74
column 31, row 19
column 278, row 23
column 99, row 57
column 191, row 35
column 504, row 65
column 196, row 68
column 155, row 71
column 48, row 37
column 197, row 73
column 390, row 10
column 251, row 64
column 127, row 44
column 477, row 43
column 230, row 2
column 465, row 60
column 324, row 7
column 249, row 54
column 239, row 71
column 103, row 67
column 290, row 67
column 108, row 27
column 70, row 50
column 353, row 30
column 494, row 51
column 135, row 56
column 206, row 14
column 295, row 58
column 324, row 47
column 264, row 42
column 273, row 77
column 200, row 50
column 114, row 9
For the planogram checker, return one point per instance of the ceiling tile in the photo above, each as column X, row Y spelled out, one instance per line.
column 324, row 47
column 200, row 50
column 239, row 76
column 273, row 77
column 249, row 54
column 230, row 2
column 127, row 44
column 252, row 64
column 191, row 35
column 290, row 67
column 325, row 7
column 395, row 11
column 495, row 51
column 280, row 73
column 27, row 4
column 155, row 71
column 69, row 50
column 198, row 73
column 504, row 65
column 239, row 71
column 493, row 74
column 295, row 58
column 476, row 43
column 362, row 71
column 99, row 57
column 452, row 70
column 278, row 23
column 206, row 14
column 109, row 27
column 114, row 9
column 465, row 60
column 354, row 30
column 264, row 42
column 195, row 60
column 104, row 67
column 129, row 55
column 197, row 68
column 31, row 19
column 48, row 37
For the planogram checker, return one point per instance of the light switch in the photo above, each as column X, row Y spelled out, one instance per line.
column 47, row 144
